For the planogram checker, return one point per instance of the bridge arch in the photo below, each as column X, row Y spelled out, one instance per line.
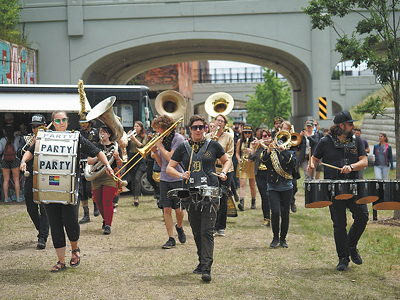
column 118, row 63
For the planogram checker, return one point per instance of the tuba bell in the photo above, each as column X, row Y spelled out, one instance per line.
column 104, row 112
column 219, row 103
column 170, row 103
column 283, row 138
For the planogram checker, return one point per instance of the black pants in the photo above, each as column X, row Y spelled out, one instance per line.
column 136, row 174
column 222, row 213
column 85, row 189
column 202, row 221
column 344, row 240
column 280, row 204
column 235, row 163
column 61, row 216
column 37, row 212
column 261, row 181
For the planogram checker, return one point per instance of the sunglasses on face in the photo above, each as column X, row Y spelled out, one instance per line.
column 84, row 123
column 58, row 121
column 247, row 132
column 199, row 127
column 265, row 135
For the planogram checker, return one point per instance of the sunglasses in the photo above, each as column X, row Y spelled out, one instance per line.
column 247, row 132
column 265, row 135
column 84, row 123
column 197, row 127
column 58, row 121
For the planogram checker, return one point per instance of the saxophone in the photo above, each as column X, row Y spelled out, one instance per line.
column 244, row 157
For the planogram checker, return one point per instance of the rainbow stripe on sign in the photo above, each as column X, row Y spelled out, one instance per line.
column 54, row 180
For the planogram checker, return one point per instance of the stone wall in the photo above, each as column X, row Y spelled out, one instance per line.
column 371, row 128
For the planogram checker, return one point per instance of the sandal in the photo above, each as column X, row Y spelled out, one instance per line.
column 58, row 267
column 76, row 260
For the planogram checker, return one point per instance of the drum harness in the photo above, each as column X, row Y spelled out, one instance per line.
column 197, row 177
column 346, row 145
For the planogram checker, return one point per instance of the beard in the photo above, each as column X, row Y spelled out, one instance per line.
column 349, row 134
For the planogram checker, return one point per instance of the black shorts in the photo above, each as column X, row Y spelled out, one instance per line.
column 11, row 164
column 164, row 188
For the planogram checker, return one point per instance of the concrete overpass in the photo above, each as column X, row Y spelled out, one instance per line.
column 110, row 42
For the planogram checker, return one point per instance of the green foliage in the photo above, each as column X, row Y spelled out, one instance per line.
column 271, row 99
column 374, row 39
column 9, row 18
column 374, row 106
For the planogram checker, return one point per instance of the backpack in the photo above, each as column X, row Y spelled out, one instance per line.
column 9, row 153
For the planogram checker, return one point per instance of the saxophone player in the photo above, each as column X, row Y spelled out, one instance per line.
column 245, row 169
column 36, row 212
column 280, row 163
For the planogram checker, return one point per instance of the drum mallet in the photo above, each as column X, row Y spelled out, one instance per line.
column 190, row 163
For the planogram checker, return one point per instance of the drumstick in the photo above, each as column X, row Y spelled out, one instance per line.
column 330, row 166
column 190, row 163
column 219, row 175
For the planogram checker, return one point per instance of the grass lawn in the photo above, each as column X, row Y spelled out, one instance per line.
column 130, row 264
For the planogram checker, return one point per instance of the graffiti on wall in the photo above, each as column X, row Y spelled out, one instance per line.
column 18, row 64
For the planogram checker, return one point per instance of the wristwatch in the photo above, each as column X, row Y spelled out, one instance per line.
column 352, row 168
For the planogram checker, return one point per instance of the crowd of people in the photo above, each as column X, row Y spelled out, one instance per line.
column 199, row 170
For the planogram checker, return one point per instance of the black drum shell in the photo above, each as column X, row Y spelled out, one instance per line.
column 317, row 193
column 389, row 195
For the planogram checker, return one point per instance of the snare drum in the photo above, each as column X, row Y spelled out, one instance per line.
column 56, row 167
column 210, row 191
column 318, row 193
column 367, row 190
column 342, row 189
column 389, row 195
column 180, row 193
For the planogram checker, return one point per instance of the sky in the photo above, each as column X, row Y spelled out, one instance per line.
column 218, row 64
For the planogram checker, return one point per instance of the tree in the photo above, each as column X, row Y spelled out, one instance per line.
column 9, row 18
column 373, row 41
column 271, row 99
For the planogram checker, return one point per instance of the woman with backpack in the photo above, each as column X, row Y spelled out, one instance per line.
column 8, row 149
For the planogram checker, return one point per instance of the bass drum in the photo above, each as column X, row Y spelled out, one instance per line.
column 56, row 168
column 318, row 193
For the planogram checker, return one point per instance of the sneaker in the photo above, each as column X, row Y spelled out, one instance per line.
column 283, row 244
column 266, row 223
column 221, row 232
column 214, row 232
column 206, row 276
column 7, row 200
column 115, row 205
column 293, row 208
column 343, row 264
column 107, row 229
column 181, row 234
column 20, row 200
column 169, row 244
column 198, row 269
column 274, row 243
column 355, row 256
column 41, row 243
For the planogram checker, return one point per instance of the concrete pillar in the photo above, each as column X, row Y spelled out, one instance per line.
column 321, row 70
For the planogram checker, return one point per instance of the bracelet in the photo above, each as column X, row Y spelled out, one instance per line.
column 222, row 173
column 22, row 161
column 96, row 159
column 181, row 176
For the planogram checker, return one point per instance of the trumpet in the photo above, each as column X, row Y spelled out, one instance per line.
column 215, row 137
column 133, row 133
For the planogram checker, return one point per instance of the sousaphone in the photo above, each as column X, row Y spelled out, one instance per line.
column 171, row 103
column 219, row 103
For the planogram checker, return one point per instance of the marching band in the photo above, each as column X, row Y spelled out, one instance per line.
column 196, row 174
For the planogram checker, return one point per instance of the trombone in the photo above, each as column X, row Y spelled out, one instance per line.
column 147, row 148
column 282, row 138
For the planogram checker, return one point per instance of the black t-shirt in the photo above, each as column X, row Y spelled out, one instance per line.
column 331, row 155
column 213, row 152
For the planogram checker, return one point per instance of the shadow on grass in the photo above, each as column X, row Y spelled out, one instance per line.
column 25, row 276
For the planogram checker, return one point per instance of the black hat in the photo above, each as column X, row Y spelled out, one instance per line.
column 247, row 127
column 310, row 123
column 82, row 118
column 278, row 119
column 343, row 117
column 38, row 119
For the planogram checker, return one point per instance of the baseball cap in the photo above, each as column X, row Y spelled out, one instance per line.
column 343, row 117
column 38, row 119
column 247, row 127
column 310, row 123
column 278, row 119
